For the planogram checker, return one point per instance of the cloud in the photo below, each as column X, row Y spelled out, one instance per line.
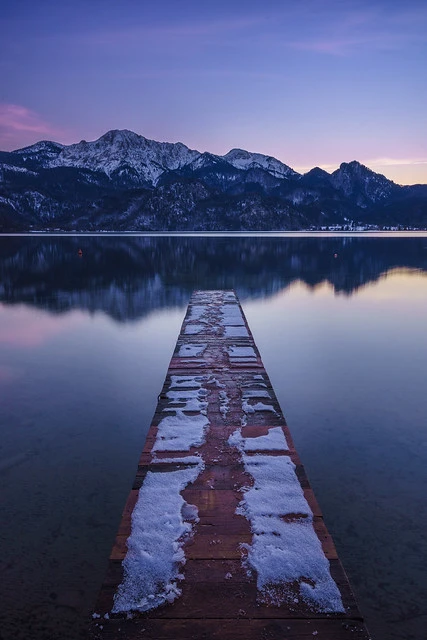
column 203, row 74
column 20, row 126
column 345, row 45
column 377, row 27
column 395, row 162
column 401, row 170
column 18, row 118
column 168, row 33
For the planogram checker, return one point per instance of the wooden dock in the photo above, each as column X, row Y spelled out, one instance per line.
column 221, row 535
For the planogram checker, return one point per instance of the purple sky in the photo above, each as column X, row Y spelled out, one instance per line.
column 309, row 82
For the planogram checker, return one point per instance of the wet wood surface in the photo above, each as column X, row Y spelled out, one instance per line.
column 220, row 599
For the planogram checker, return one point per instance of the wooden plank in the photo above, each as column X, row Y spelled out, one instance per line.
column 125, row 523
column 209, row 592
column 211, row 503
column 236, row 629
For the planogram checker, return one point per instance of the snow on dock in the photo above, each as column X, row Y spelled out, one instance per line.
column 221, row 536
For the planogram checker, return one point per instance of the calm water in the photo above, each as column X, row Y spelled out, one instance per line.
column 85, row 342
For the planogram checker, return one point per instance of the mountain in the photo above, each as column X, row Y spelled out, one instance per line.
column 123, row 181
column 244, row 160
column 361, row 184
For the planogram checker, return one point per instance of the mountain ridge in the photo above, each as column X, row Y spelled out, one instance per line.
column 124, row 181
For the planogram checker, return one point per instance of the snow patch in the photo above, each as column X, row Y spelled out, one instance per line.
column 180, row 432
column 191, row 350
column 231, row 315
column 286, row 554
column 224, row 403
column 256, row 393
column 274, row 441
column 241, row 352
column 186, row 382
column 9, row 167
column 196, row 312
column 179, row 460
column 236, row 332
column 259, row 406
column 193, row 329
column 155, row 545
column 181, row 395
column 193, row 400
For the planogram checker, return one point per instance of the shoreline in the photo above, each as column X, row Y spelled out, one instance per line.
column 302, row 233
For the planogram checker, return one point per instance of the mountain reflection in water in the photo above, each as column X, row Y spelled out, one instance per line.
column 128, row 277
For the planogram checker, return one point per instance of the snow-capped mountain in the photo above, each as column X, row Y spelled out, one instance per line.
column 42, row 153
column 125, row 153
column 125, row 181
column 245, row 160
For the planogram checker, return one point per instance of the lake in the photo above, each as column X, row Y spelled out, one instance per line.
column 85, row 342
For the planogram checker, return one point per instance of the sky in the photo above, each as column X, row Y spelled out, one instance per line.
column 312, row 83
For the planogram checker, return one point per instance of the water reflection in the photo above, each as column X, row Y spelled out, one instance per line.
column 84, row 346
column 127, row 277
